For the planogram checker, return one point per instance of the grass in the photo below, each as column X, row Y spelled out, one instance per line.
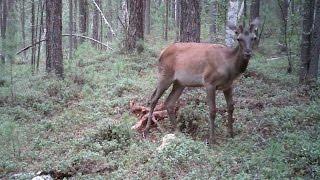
column 80, row 126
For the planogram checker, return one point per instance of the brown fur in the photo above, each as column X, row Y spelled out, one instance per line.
column 212, row 66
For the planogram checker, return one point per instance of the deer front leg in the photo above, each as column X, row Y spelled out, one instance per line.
column 170, row 104
column 230, row 105
column 211, row 95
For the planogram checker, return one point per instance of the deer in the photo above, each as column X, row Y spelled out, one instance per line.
column 212, row 66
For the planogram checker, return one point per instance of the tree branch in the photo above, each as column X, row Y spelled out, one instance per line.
column 63, row 35
column 104, row 18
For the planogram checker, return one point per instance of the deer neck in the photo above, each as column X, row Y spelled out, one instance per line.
column 240, row 63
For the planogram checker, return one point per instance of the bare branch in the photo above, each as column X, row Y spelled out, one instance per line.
column 104, row 18
column 63, row 35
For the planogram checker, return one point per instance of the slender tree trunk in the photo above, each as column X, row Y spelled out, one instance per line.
column 4, row 29
column 255, row 9
column 136, row 25
column 213, row 27
column 315, row 47
column 177, row 18
column 173, row 5
column 190, row 23
column 40, row 32
column 147, row 17
column 96, row 21
column 101, row 28
column 307, row 21
column 231, row 18
column 70, row 29
column 33, row 37
column 83, row 13
column 75, row 27
column 54, row 37
column 110, row 15
column 23, row 28
column 166, row 20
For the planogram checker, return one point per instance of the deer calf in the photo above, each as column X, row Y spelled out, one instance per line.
column 212, row 66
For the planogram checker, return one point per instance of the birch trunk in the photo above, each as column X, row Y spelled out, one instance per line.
column 232, row 19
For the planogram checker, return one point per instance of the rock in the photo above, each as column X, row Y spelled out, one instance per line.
column 166, row 140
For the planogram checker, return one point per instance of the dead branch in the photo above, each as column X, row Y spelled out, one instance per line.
column 63, row 35
column 104, row 18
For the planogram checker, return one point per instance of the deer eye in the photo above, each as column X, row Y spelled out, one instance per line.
column 238, row 39
column 254, row 38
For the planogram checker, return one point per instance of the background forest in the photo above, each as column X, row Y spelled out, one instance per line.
column 71, row 71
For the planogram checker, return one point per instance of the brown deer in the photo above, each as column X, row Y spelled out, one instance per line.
column 212, row 66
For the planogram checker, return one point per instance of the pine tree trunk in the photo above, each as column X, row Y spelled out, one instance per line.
column 54, row 37
column 136, row 26
column 190, row 23
column 83, row 13
column 307, row 21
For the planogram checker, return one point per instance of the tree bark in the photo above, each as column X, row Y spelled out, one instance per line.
column 40, row 33
column 255, row 9
column 54, row 37
column 177, row 18
column 190, row 23
column 231, row 18
column 166, row 20
column 33, row 37
column 307, row 21
column 75, row 27
column 96, row 21
column 70, row 29
column 147, row 17
column 213, row 27
column 136, row 25
column 315, row 47
column 83, row 13
column 23, row 27
column 4, row 29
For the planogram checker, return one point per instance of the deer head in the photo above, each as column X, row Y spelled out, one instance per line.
column 246, row 37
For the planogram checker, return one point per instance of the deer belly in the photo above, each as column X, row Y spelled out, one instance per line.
column 189, row 79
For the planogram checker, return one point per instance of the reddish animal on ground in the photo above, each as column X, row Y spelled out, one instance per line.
column 212, row 66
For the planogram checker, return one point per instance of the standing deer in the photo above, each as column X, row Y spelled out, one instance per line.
column 212, row 66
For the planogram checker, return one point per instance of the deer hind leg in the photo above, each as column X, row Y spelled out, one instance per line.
column 211, row 97
column 153, row 94
column 228, row 95
column 163, row 85
column 170, row 102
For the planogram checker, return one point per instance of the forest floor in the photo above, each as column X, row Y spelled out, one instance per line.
column 80, row 127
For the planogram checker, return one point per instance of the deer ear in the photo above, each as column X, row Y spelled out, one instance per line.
column 254, row 24
column 239, row 29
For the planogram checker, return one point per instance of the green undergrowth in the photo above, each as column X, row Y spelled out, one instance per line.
column 81, row 126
